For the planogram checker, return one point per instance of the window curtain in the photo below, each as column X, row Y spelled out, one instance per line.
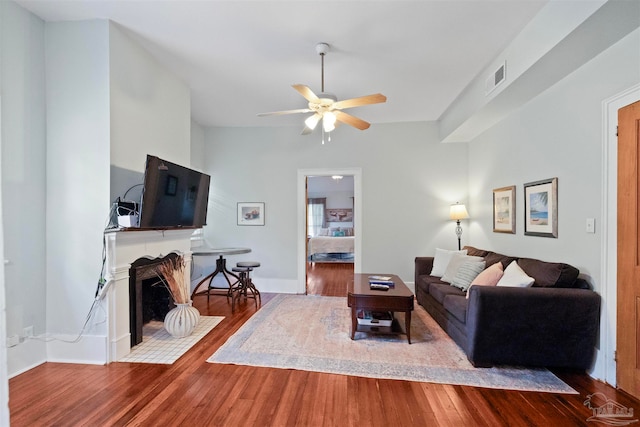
column 315, row 212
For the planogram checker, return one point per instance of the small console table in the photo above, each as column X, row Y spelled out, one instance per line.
column 221, row 268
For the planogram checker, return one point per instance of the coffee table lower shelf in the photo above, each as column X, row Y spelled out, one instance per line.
column 395, row 328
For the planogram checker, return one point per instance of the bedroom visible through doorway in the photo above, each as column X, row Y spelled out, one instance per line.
column 330, row 246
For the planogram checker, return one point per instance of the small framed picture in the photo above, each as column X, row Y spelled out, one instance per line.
column 250, row 213
column 541, row 208
column 504, row 210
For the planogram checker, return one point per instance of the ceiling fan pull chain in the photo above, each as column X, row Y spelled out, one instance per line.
column 322, row 72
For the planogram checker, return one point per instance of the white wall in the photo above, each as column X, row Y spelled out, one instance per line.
column 557, row 134
column 409, row 181
column 23, row 179
column 78, row 135
column 109, row 103
column 197, row 146
column 150, row 112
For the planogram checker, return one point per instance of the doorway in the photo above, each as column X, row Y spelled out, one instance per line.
column 330, row 234
column 303, row 226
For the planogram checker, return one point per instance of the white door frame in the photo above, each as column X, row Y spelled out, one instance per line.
column 302, row 220
column 605, row 368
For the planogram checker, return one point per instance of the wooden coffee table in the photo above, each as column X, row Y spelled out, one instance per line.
column 397, row 298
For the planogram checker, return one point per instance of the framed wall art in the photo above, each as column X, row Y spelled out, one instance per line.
column 541, row 208
column 250, row 213
column 339, row 215
column 504, row 210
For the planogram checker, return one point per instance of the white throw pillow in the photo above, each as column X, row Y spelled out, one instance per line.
column 514, row 276
column 441, row 260
column 454, row 264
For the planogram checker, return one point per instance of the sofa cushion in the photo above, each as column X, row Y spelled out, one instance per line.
column 514, row 277
column 475, row 251
column 549, row 274
column 493, row 257
column 467, row 272
column 424, row 281
column 454, row 265
column 457, row 306
column 440, row 290
column 441, row 260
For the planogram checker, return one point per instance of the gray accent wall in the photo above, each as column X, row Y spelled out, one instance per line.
column 409, row 179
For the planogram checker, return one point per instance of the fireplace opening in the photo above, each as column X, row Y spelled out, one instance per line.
column 149, row 298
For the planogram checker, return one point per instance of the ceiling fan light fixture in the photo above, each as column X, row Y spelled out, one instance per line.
column 326, row 107
column 328, row 121
column 312, row 121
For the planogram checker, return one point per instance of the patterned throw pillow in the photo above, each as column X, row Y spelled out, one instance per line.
column 468, row 271
column 454, row 264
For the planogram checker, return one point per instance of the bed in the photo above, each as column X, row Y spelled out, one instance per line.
column 340, row 247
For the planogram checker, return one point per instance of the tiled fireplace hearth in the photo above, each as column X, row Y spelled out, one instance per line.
column 123, row 249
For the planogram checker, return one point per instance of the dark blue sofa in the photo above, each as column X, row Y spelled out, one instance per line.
column 554, row 323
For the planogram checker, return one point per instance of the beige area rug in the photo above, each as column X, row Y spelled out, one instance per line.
column 158, row 346
column 312, row 333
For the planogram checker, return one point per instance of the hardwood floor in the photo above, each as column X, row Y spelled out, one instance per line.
column 328, row 279
column 192, row 392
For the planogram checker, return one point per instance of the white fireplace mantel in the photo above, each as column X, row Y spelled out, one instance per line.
column 122, row 249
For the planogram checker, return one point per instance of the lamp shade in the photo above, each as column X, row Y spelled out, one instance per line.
column 458, row 212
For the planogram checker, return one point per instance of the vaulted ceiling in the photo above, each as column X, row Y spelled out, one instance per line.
column 240, row 58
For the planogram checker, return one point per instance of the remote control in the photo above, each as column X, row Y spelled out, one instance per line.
column 378, row 287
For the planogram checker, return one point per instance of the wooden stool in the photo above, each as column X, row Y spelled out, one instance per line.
column 245, row 285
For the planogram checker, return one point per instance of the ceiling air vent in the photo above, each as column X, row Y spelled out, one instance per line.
column 496, row 78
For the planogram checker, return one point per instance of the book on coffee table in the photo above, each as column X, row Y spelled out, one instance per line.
column 381, row 280
column 385, row 278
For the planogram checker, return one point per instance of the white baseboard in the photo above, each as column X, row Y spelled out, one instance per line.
column 411, row 286
column 25, row 356
column 90, row 349
column 280, row 286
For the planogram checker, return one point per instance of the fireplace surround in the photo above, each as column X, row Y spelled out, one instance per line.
column 124, row 248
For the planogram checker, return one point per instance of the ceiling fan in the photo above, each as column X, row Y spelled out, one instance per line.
column 326, row 107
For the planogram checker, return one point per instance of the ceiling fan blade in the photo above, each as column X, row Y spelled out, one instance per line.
column 279, row 113
column 363, row 100
column 351, row 120
column 306, row 92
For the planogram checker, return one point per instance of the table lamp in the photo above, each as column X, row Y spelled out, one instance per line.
column 458, row 212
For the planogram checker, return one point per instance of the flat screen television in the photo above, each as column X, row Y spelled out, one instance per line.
column 173, row 196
